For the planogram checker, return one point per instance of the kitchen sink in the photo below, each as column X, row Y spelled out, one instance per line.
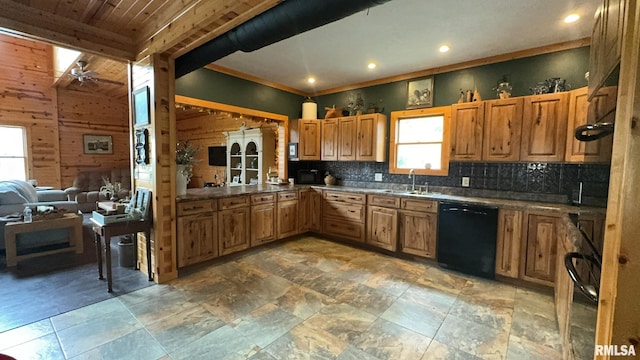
column 408, row 192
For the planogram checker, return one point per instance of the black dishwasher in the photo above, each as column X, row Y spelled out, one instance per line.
column 467, row 238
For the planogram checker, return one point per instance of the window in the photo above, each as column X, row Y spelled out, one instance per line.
column 13, row 159
column 419, row 140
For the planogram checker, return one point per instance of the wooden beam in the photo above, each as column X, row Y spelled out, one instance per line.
column 20, row 20
column 254, row 79
column 194, row 19
column 229, row 108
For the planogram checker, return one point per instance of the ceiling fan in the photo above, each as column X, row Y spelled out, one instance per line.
column 85, row 76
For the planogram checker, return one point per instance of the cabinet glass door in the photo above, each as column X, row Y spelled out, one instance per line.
column 252, row 163
column 235, row 164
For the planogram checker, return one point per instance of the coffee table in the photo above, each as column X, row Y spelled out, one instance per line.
column 70, row 220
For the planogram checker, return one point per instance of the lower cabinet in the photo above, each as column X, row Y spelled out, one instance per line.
column 539, row 246
column 508, row 243
column 234, row 224
column 287, row 219
column 263, row 218
column 343, row 215
column 418, row 225
column 197, row 228
column 382, row 228
column 563, row 294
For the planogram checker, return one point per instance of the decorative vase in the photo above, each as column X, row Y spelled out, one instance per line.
column 330, row 180
column 181, row 180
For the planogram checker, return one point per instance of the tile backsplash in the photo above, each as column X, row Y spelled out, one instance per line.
column 557, row 182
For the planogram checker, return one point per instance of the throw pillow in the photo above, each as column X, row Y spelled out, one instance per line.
column 10, row 196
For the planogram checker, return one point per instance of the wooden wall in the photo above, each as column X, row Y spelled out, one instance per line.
column 208, row 130
column 28, row 100
column 87, row 113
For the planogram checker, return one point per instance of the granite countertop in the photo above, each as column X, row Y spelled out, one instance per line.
column 228, row 191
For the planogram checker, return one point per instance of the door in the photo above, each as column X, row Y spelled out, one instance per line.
column 382, row 227
column 263, row 223
column 508, row 244
column 233, row 234
column 287, row 218
column 540, row 245
column 309, row 145
column 197, row 238
column 544, row 127
column 467, row 122
column 502, row 129
column 418, row 233
column 347, row 130
column 329, row 151
column 371, row 140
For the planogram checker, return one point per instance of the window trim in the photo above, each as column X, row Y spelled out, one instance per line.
column 445, row 112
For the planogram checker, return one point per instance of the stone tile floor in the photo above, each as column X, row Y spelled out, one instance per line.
column 304, row 299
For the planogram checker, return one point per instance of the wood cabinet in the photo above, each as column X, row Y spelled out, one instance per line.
column 508, row 242
column 329, row 140
column 343, row 215
column 233, row 224
column 544, row 127
column 347, row 130
column 197, row 232
column 418, row 223
column 606, row 43
column 467, row 122
column 287, row 219
column 309, row 210
column 539, row 247
column 563, row 294
column 263, row 218
column 382, row 221
column 502, row 129
column 582, row 112
column 306, row 132
column 371, row 137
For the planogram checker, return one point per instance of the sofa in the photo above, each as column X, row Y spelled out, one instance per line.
column 86, row 187
column 15, row 195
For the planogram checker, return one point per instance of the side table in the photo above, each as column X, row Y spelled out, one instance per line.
column 107, row 231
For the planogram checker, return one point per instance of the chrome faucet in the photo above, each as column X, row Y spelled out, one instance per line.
column 412, row 175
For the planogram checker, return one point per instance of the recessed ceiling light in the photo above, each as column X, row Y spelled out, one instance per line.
column 571, row 18
column 371, row 65
column 444, row 48
column 311, row 80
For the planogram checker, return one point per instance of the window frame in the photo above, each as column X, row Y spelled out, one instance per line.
column 396, row 116
column 25, row 144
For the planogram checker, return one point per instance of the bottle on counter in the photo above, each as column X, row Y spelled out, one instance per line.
column 27, row 214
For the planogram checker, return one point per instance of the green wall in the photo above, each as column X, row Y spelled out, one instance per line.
column 523, row 73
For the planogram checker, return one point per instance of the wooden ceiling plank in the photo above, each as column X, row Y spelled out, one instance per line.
column 164, row 15
column 22, row 20
column 197, row 18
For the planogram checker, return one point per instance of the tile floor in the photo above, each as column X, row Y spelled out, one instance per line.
column 304, row 299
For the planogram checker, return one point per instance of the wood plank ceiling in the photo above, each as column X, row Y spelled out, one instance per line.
column 109, row 33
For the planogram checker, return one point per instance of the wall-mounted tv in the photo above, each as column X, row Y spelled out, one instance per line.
column 218, row 155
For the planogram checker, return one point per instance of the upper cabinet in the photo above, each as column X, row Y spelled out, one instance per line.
column 351, row 138
column 306, row 133
column 347, row 130
column 544, row 127
column 467, row 122
column 502, row 129
column 582, row 112
column 371, row 137
column 606, row 43
column 329, row 148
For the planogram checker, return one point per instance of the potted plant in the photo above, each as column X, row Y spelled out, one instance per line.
column 185, row 159
column 110, row 190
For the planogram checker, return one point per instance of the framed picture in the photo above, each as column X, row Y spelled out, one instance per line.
column 141, row 106
column 420, row 93
column 293, row 150
column 98, row 144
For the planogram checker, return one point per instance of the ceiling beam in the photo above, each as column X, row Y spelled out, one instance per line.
column 199, row 16
column 24, row 21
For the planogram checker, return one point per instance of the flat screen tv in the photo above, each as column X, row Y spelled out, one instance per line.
column 218, row 155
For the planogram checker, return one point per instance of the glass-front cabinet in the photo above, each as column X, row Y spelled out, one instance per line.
column 251, row 153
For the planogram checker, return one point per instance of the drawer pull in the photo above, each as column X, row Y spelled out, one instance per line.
column 195, row 208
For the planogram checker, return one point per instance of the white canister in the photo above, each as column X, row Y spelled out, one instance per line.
column 309, row 109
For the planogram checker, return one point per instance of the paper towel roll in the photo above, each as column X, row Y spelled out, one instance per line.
column 309, row 109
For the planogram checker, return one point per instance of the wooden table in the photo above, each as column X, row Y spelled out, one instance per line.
column 107, row 231
column 70, row 220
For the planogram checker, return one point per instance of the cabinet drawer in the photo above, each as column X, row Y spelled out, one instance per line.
column 345, row 197
column 344, row 211
column 419, row 205
column 262, row 198
column 287, row 195
column 233, row 202
column 195, row 207
column 344, row 229
column 385, row 201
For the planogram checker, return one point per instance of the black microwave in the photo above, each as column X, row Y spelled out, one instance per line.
column 309, row 176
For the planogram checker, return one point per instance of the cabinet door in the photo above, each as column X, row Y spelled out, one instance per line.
column 315, row 211
column 309, row 142
column 347, row 130
column 234, row 230
column 508, row 244
column 304, row 213
column 544, row 127
column 329, row 137
column 263, row 223
column 467, row 122
column 540, row 246
column 382, row 228
column 502, row 129
column 287, row 218
column 596, row 70
column 418, row 233
column 614, row 11
column 582, row 112
column 371, row 139
column 197, row 238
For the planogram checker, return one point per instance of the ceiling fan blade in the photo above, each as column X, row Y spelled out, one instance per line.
column 109, row 81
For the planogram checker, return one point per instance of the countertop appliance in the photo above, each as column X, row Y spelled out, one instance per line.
column 309, row 176
column 466, row 239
